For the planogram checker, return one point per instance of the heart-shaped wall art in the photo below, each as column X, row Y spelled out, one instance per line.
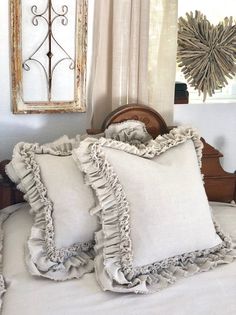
column 206, row 52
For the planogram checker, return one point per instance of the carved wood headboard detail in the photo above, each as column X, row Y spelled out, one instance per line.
column 219, row 185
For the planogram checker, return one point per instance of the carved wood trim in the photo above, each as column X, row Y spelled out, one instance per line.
column 219, row 184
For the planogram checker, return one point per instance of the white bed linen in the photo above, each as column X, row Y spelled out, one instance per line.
column 211, row 293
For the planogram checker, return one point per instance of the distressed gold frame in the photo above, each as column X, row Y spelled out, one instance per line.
column 19, row 106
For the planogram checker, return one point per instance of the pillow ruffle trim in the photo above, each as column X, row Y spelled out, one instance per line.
column 113, row 263
column 43, row 258
column 131, row 131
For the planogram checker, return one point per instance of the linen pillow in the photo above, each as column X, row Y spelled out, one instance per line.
column 130, row 131
column 62, row 237
column 156, row 220
column 61, row 242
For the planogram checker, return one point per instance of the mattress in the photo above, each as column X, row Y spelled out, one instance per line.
column 210, row 293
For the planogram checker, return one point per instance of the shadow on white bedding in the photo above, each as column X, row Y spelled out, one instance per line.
column 211, row 293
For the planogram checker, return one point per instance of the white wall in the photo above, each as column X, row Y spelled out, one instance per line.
column 216, row 123
column 39, row 127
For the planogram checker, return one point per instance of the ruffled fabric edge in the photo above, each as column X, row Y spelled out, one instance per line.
column 62, row 144
column 4, row 214
column 131, row 131
column 113, row 262
column 42, row 256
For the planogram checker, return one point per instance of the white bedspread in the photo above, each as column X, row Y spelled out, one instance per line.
column 211, row 293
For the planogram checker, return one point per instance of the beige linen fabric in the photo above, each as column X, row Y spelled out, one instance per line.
column 156, row 221
column 71, row 199
column 131, row 131
column 170, row 214
column 60, row 246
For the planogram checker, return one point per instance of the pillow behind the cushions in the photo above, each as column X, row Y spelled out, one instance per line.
column 130, row 131
column 156, row 221
column 62, row 237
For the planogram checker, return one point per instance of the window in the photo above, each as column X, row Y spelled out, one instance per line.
column 48, row 45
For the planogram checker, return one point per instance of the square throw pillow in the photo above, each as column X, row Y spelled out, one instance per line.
column 61, row 243
column 156, row 221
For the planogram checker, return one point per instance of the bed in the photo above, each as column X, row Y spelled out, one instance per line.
column 212, row 292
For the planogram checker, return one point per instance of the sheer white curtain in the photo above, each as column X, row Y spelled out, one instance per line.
column 133, row 56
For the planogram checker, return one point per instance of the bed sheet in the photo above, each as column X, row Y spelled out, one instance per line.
column 210, row 293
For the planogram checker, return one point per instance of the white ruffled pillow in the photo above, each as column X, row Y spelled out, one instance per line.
column 62, row 237
column 156, row 220
column 61, row 243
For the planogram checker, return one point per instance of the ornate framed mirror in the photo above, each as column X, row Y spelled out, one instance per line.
column 48, row 55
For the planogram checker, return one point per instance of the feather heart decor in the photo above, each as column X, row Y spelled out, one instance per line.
column 206, row 52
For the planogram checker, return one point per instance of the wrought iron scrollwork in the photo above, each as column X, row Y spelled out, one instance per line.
column 49, row 15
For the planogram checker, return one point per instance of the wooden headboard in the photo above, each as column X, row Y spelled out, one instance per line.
column 219, row 185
